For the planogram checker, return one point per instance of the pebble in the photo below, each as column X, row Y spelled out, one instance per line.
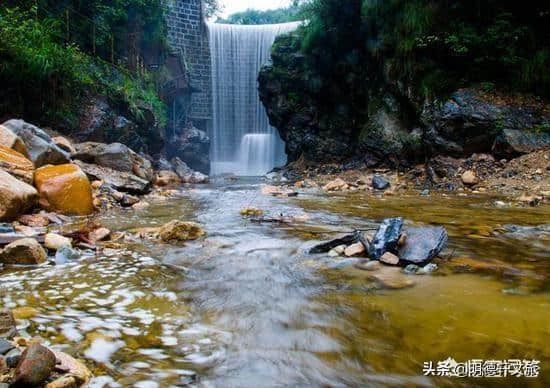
column 427, row 269
column 389, row 258
column 354, row 249
column 411, row 269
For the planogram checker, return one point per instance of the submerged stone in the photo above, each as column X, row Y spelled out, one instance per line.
column 423, row 244
column 380, row 183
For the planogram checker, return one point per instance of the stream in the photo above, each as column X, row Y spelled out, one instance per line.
column 248, row 306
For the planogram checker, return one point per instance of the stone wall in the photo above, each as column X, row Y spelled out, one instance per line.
column 187, row 33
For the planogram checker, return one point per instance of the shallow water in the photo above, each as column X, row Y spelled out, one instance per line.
column 249, row 307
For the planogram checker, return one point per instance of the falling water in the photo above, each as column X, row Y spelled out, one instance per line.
column 243, row 142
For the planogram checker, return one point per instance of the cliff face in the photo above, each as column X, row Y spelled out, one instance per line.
column 390, row 123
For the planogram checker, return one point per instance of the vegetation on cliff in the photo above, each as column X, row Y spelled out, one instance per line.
column 55, row 55
column 292, row 13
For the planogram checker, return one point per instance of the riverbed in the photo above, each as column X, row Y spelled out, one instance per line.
column 247, row 306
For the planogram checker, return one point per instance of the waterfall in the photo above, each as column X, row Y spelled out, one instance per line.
column 243, row 142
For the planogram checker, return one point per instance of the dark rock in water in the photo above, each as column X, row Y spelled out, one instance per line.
column 411, row 269
column 40, row 146
column 36, row 365
column 423, row 244
column 6, row 228
column 13, row 357
column 8, row 329
column 380, row 183
column 327, row 246
column 5, row 346
column 386, row 237
column 513, row 141
column 65, row 255
column 192, row 146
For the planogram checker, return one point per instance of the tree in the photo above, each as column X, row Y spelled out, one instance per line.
column 212, row 8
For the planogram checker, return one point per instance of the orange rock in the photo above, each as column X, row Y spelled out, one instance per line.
column 64, row 189
column 16, row 164
column 167, row 178
column 64, row 144
column 16, row 197
column 11, row 140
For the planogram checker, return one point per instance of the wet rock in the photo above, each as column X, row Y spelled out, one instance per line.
column 423, row 244
column 115, row 156
column 34, row 220
column 13, row 357
column 186, row 174
column 427, row 269
column 121, row 181
column 26, row 251
column 411, row 269
column 63, row 382
column 167, row 178
column 337, row 251
column 99, row 234
column 41, row 149
column 36, row 365
column 392, row 277
column 55, row 241
column 355, row 249
column 369, row 265
column 180, row 231
column 141, row 205
column 336, row 185
column 6, row 228
column 16, row 164
column 11, row 140
column 64, row 189
column 389, row 258
column 380, row 183
column 8, row 328
column 65, row 255
column 64, row 143
column 73, row 367
column 387, row 237
column 469, row 178
column 129, row 200
column 5, row 346
column 16, row 197
column 327, row 246
column 513, row 142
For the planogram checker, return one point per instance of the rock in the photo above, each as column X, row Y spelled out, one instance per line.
column 34, row 220
column 354, row 249
column 423, row 244
column 128, row 200
column 180, row 231
column 514, row 142
column 167, row 178
column 192, row 146
column 386, row 237
column 55, row 241
column 402, row 240
column 41, row 148
column 141, row 205
column 327, row 246
column 36, row 365
column 531, row 200
column 74, row 368
column 16, row 197
column 337, row 251
column 411, row 269
column 427, row 269
column 389, row 258
column 13, row 357
column 369, row 265
column 8, row 329
column 251, row 212
column 16, row 164
column 186, row 174
column 65, row 255
column 11, row 140
column 3, row 369
column 63, row 382
column 64, row 144
column 26, row 251
column 115, row 156
column 24, row 312
column 6, row 228
column 5, row 346
column 278, row 191
column 336, row 185
column 64, row 189
column 392, row 277
column 469, row 178
column 99, row 234
column 380, row 183
column 121, row 181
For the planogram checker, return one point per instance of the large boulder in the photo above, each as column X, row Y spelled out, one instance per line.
column 36, row 365
column 469, row 122
column 192, row 146
column 186, row 174
column 16, row 197
column 41, row 149
column 11, row 140
column 121, row 181
column 25, row 251
column 513, row 141
column 16, row 164
column 64, row 189
column 423, row 244
column 116, row 156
